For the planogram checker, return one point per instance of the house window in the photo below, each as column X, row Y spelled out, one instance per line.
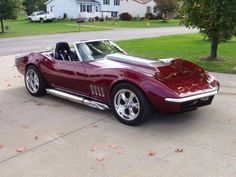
column 114, row 14
column 89, row 8
column 96, row 8
column 155, row 9
column 106, row 2
column 149, row 9
column 116, row 2
column 82, row 8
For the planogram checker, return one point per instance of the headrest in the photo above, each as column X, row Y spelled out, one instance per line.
column 62, row 46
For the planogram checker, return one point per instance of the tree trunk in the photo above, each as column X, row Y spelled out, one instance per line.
column 2, row 26
column 214, row 47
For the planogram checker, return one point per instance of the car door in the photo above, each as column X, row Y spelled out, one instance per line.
column 33, row 17
column 65, row 75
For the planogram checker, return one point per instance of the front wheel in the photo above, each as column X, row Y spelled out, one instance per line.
column 34, row 82
column 41, row 20
column 129, row 104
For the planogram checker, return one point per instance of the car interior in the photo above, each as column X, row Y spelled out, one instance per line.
column 63, row 52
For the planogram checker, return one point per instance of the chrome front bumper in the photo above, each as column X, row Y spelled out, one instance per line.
column 193, row 97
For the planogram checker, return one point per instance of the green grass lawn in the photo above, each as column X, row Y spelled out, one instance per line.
column 136, row 23
column 21, row 27
column 190, row 47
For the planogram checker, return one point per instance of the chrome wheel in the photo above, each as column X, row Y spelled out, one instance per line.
column 32, row 81
column 126, row 104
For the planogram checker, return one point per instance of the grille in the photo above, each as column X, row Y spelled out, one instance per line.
column 197, row 103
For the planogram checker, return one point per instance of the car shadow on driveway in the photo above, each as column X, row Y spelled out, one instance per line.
column 21, row 96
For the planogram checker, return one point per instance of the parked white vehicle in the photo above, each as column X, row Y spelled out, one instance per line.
column 41, row 16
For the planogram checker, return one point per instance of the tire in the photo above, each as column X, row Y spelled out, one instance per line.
column 34, row 82
column 30, row 20
column 41, row 20
column 132, row 111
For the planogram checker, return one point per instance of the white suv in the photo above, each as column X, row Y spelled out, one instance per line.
column 41, row 17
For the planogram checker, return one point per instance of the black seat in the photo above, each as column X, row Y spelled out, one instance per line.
column 63, row 52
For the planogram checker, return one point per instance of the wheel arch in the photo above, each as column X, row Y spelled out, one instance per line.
column 31, row 64
column 129, row 82
column 39, row 70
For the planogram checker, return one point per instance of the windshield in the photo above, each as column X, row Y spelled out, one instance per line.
column 97, row 49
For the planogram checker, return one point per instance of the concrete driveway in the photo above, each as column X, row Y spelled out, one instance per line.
column 63, row 139
column 16, row 45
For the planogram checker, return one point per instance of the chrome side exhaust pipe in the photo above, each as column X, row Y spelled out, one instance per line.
column 77, row 99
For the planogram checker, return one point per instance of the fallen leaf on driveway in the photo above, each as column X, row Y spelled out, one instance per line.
column 61, row 133
column 25, row 126
column 39, row 104
column 8, row 85
column 179, row 150
column 21, row 149
column 1, row 146
column 100, row 158
column 151, row 153
column 36, row 137
column 92, row 126
column 113, row 146
column 120, row 151
column 93, row 147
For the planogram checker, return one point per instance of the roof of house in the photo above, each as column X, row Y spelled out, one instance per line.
column 88, row 1
column 143, row 1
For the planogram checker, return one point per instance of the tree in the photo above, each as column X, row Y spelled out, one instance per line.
column 165, row 6
column 216, row 19
column 9, row 10
column 34, row 5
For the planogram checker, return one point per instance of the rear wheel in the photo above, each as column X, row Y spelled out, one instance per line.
column 34, row 82
column 30, row 20
column 129, row 104
column 41, row 20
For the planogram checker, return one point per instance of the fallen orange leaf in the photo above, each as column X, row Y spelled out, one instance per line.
column 1, row 146
column 93, row 147
column 151, row 153
column 100, row 158
column 113, row 146
column 39, row 104
column 61, row 133
column 21, row 149
column 120, row 151
column 179, row 150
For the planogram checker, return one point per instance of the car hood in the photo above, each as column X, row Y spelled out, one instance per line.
column 181, row 76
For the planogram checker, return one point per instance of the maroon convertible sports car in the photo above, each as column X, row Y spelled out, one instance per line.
column 100, row 74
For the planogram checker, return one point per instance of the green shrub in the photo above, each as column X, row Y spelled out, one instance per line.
column 125, row 16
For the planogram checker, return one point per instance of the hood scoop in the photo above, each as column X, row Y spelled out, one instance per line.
column 139, row 62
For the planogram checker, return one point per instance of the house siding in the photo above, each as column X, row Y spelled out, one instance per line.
column 135, row 8
column 61, row 7
column 72, row 8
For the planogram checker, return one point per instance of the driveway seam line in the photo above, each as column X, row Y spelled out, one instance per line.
column 54, row 139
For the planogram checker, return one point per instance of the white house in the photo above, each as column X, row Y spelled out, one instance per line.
column 101, row 8
column 83, row 8
column 137, row 8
